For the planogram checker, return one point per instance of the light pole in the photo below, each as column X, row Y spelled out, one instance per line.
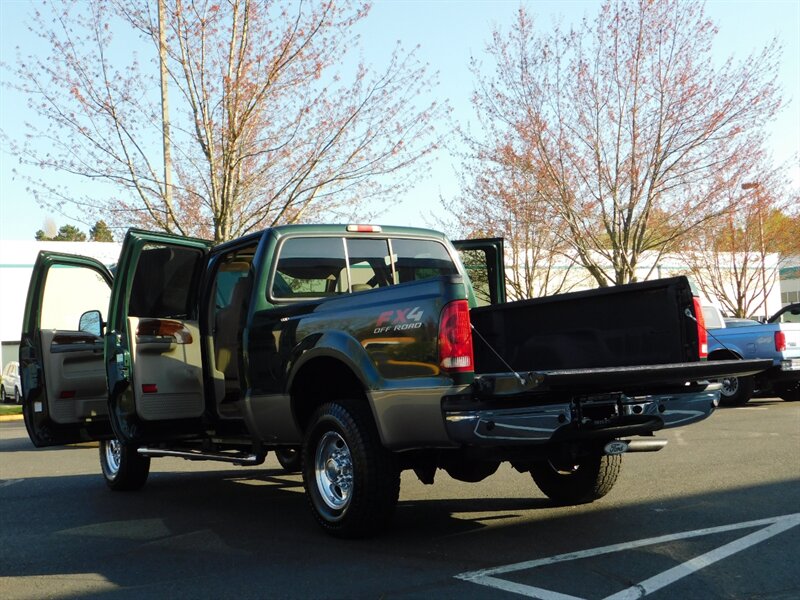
column 755, row 185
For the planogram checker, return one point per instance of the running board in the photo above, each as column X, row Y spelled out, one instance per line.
column 236, row 459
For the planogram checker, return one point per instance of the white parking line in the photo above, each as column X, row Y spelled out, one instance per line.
column 772, row 527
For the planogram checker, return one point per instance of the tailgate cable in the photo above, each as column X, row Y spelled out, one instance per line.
column 497, row 354
column 721, row 343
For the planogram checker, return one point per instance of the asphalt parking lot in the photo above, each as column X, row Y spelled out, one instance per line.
column 716, row 514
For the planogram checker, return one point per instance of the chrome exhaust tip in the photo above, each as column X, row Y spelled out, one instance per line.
column 624, row 446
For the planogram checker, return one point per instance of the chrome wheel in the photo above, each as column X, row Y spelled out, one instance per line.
column 730, row 385
column 333, row 469
column 352, row 482
column 113, row 452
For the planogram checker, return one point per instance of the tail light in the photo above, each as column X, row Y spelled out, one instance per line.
column 780, row 341
column 702, row 334
column 455, row 338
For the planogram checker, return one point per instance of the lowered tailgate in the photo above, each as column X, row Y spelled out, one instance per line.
column 643, row 379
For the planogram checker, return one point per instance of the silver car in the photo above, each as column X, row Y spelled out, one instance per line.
column 11, row 386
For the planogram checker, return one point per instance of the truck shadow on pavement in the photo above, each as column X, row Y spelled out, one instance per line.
column 213, row 533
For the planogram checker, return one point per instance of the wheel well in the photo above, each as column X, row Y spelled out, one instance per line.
column 723, row 355
column 319, row 381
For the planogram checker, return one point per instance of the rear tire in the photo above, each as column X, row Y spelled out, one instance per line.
column 123, row 468
column 788, row 392
column 352, row 482
column 290, row 459
column 585, row 480
column 736, row 391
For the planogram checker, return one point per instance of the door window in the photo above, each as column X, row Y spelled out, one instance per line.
column 164, row 282
column 70, row 291
column 476, row 263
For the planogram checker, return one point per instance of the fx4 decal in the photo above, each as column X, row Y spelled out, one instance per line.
column 401, row 319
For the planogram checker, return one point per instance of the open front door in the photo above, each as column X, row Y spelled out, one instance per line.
column 483, row 260
column 153, row 343
column 63, row 378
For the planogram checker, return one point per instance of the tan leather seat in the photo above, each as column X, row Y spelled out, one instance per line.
column 227, row 332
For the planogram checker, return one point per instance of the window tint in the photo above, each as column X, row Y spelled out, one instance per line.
column 421, row 259
column 69, row 292
column 370, row 266
column 310, row 268
column 164, row 282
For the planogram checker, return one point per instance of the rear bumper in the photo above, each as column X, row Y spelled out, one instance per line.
column 787, row 371
column 590, row 418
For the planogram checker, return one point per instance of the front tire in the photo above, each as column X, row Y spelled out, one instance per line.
column 577, row 481
column 736, row 391
column 3, row 398
column 17, row 396
column 123, row 468
column 352, row 482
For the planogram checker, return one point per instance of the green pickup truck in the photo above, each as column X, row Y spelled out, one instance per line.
column 355, row 352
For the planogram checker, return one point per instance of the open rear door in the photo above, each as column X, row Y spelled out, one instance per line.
column 63, row 377
column 153, row 343
column 484, row 262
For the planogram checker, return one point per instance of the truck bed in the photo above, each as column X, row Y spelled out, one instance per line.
column 635, row 337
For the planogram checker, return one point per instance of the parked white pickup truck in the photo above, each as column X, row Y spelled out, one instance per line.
column 777, row 339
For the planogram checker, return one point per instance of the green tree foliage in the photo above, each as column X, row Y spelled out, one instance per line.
column 100, row 232
column 66, row 233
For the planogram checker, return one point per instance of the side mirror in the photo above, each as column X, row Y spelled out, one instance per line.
column 91, row 322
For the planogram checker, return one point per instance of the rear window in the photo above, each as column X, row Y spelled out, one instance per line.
column 421, row 259
column 321, row 267
column 370, row 264
column 310, row 268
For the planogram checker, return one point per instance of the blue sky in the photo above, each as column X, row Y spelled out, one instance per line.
column 448, row 33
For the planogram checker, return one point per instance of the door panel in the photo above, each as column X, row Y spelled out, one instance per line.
column 76, row 382
column 484, row 263
column 153, row 344
column 63, row 375
column 168, row 367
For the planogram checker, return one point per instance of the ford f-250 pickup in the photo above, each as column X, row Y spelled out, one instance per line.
column 356, row 352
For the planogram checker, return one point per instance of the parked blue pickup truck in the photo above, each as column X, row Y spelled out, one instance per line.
column 777, row 339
